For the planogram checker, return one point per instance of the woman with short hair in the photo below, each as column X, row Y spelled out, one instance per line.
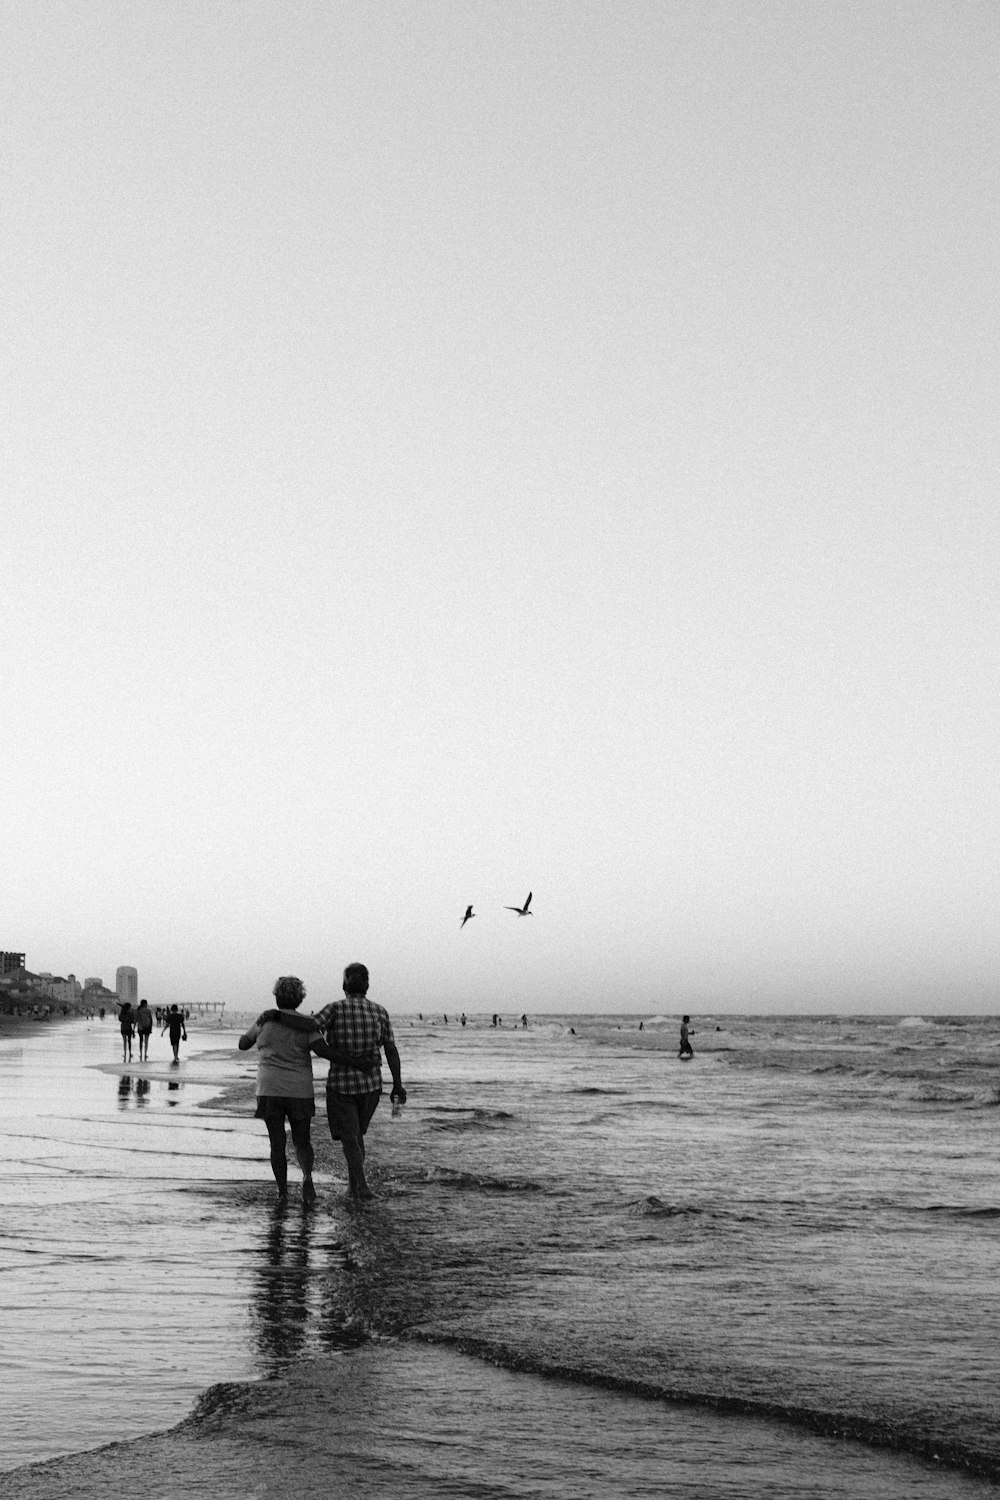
column 285, row 1084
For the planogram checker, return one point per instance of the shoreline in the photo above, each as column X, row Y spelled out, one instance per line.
column 236, row 1439
column 18, row 1028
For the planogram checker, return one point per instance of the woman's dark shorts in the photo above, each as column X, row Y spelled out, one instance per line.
column 350, row 1114
column 278, row 1107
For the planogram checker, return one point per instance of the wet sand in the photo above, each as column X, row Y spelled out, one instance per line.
column 393, row 1417
column 19, row 1028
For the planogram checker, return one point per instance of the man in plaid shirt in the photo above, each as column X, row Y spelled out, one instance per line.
column 356, row 1029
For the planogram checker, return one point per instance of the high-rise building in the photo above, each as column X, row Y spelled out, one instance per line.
column 127, row 985
column 11, row 962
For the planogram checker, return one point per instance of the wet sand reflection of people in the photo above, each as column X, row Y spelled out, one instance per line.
column 284, row 1282
column 124, row 1091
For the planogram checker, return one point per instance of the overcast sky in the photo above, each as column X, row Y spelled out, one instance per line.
column 451, row 450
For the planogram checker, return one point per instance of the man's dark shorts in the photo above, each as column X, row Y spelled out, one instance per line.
column 278, row 1107
column 350, row 1114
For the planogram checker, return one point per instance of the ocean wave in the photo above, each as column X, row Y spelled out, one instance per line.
column 454, row 1118
column 477, row 1181
column 959, row 1211
column 895, row 1437
column 589, row 1089
column 654, row 1207
column 942, row 1093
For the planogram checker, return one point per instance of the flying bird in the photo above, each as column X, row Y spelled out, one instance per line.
column 522, row 911
column 468, row 913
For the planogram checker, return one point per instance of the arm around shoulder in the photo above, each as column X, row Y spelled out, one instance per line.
column 289, row 1018
column 248, row 1038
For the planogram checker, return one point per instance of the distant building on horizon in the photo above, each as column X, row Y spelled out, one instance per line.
column 127, row 985
column 96, row 997
column 10, row 963
column 63, row 991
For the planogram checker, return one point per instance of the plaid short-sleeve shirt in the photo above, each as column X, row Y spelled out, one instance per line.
column 356, row 1024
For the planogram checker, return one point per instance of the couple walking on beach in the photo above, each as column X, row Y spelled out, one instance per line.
column 350, row 1034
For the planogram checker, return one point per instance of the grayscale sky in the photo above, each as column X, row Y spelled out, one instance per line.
column 457, row 449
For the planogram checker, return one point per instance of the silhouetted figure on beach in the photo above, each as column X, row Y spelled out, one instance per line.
column 285, row 1083
column 686, row 1048
column 175, row 1025
column 143, row 1029
column 126, row 1022
column 463, row 1018
column 355, row 1026
column 524, row 1023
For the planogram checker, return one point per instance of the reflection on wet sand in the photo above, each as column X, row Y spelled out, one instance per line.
column 137, row 1089
column 284, row 1285
column 302, row 1296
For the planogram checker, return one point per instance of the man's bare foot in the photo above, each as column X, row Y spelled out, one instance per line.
column 308, row 1192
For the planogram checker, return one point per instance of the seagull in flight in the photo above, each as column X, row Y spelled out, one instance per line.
column 468, row 913
column 522, row 911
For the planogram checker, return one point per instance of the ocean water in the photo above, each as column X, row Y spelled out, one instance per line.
column 590, row 1268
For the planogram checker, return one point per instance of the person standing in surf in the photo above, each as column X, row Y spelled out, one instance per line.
column 358, row 1028
column 686, row 1048
column 285, row 1083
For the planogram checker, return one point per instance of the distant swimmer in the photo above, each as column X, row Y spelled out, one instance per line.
column 468, row 913
column 686, row 1048
column 522, row 911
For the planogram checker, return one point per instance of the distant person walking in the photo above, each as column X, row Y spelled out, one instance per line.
column 126, row 1021
column 143, row 1029
column 175, row 1025
column 358, row 1028
column 686, row 1048
column 285, row 1083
